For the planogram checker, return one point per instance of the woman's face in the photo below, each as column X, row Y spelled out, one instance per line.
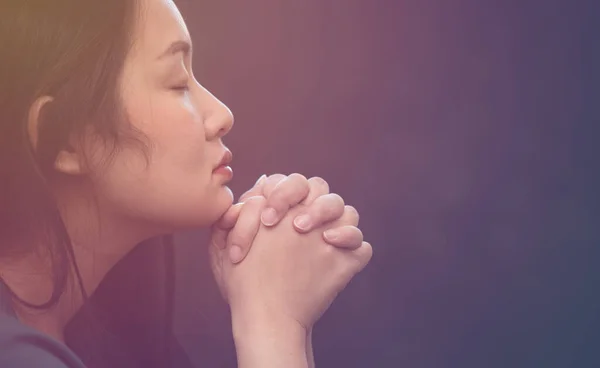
column 178, row 186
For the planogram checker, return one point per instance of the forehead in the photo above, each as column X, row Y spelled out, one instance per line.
column 159, row 24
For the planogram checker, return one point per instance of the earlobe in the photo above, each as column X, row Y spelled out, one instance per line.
column 68, row 160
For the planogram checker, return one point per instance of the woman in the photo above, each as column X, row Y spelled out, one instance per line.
column 108, row 141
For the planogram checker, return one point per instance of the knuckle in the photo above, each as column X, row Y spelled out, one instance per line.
column 351, row 214
column 351, row 210
column 290, row 191
column 369, row 249
column 298, row 177
column 337, row 199
column 321, row 211
column 276, row 176
column 272, row 183
column 357, row 235
column 329, row 207
column 361, row 257
column 317, row 180
column 335, row 211
column 351, row 237
column 368, row 253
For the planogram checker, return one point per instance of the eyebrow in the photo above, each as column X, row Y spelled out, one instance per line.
column 179, row 46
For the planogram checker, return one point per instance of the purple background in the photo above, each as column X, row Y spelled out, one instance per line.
column 463, row 131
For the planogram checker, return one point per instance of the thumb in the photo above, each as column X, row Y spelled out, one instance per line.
column 216, row 252
column 240, row 238
column 229, row 218
column 218, row 238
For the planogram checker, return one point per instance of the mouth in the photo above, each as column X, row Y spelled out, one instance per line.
column 225, row 160
column 222, row 169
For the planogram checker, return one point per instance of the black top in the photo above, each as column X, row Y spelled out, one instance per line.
column 24, row 347
column 124, row 324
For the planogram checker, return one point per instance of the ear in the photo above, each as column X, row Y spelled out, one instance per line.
column 68, row 160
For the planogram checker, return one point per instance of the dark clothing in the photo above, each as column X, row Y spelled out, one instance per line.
column 126, row 323
column 24, row 347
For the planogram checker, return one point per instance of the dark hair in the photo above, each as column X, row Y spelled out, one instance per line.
column 73, row 51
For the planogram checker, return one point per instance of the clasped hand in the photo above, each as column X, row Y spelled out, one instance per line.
column 286, row 250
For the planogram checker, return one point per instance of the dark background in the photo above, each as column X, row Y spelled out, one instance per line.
column 463, row 132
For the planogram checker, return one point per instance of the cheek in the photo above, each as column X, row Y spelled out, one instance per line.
column 180, row 145
column 174, row 129
column 175, row 188
column 167, row 193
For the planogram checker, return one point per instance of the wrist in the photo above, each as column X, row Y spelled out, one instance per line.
column 310, row 355
column 270, row 342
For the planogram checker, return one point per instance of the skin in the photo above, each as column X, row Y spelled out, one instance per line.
column 108, row 209
column 283, row 286
column 281, row 193
column 319, row 205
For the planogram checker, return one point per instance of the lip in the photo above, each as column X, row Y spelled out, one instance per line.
column 226, row 159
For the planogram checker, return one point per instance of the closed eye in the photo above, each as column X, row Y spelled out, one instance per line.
column 183, row 87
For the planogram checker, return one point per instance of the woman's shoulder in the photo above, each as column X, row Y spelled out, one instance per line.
column 22, row 346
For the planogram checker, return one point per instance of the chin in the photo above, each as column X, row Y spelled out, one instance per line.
column 209, row 210
column 223, row 201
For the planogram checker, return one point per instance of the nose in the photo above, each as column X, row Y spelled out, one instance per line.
column 218, row 118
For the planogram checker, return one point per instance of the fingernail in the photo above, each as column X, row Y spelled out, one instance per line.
column 260, row 180
column 302, row 222
column 269, row 217
column 331, row 235
column 235, row 253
